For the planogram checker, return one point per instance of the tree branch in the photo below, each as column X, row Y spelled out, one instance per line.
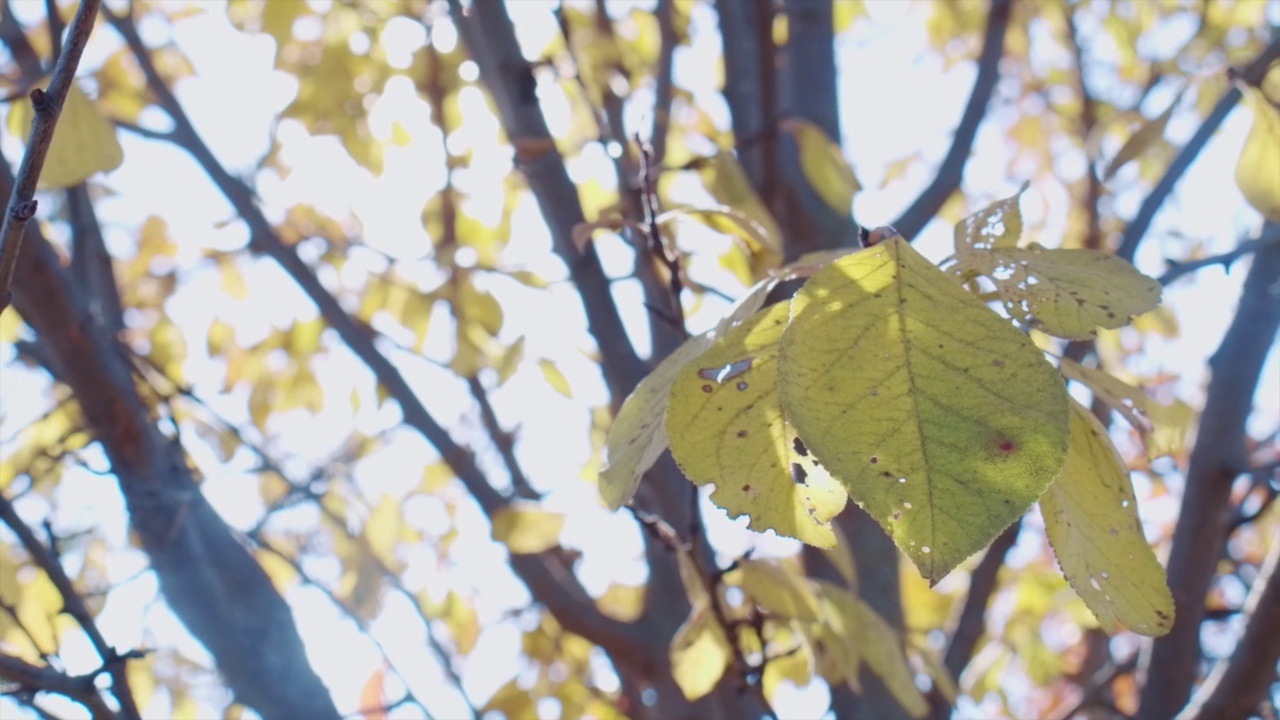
column 1178, row 269
column 489, row 36
column 48, row 106
column 113, row 663
column 664, row 86
column 1218, row 458
column 915, row 217
column 550, row 581
column 809, row 92
column 31, row 679
column 1252, row 74
column 1237, row 685
column 207, row 576
column 748, row 88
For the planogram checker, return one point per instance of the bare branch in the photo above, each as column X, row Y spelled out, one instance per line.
column 915, row 217
column 982, row 583
column 1252, row 74
column 503, row 440
column 664, row 88
column 48, row 106
column 1178, row 269
column 1218, row 458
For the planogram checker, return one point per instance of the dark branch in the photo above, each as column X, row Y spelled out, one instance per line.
column 915, row 217
column 1237, row 685
column 72, row 604
column 1178, row 269
column 31, row 679
column 48, row 106
column 1218, row 458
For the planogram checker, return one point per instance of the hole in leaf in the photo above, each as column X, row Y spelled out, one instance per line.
column 798, row 474
column 726, row 372
column 902, row 479
column 798, row 446
column 926, row 549
column 906, row 504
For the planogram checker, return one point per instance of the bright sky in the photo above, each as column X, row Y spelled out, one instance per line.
column 234, row 99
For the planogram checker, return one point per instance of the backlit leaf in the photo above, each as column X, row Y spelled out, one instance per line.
column 999, row 225
column 556, row 378
column 1067, row 293
column 779, row 589
column 1256, row 171
column 823, row 165
column 700, row 654
column 1146, row 135
column 1091, row 517
column 1163, row 425
column 526, row 528
column 941, row 420
column 639, row 434
column 727, row 428
column 84, row 142
column 871, row 640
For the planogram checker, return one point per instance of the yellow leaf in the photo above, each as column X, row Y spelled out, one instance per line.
column 727, row 428
column 1256, row 172
column 1163, row 426
column 728, row 184
column 624, row 603
column 940, row 676
column 525, row 528
column 639, row 434
column 1091, row 517
column 999, row 225
column 1067, row 293
column 792, row 660
column 84, row 142
column 700, row 654
column 510, row 361
column 941, row 420
column 823, row 165
column 779, row 589
column 873, row 641
column 735, row 223
column 1150, row 131
column 556, row 378
column 382, row 530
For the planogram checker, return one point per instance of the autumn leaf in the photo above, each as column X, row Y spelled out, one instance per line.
column 84, row 143
column 941, row 420
column 823, row 165
column 1256, row 172
column 727, row 428
column 700, row 653
column 1091, row 517
column 525, row 528
column 1142, row 139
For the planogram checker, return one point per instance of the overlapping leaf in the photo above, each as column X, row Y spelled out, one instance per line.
column 727, row 428
column 1091, row 517
column 943, row 421
column 1067, row 293
column 1256, row 172
column 1163, row 425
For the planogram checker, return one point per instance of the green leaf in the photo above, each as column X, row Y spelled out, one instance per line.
column 943, row 421
column 700, row 653
column 779, row 589
column 998, row 225
column 1256, row 171
column 823, row 165
column 1091, row 517
column 525, row 528
column 727, row 428
column 1067, row 293
column 639, row 434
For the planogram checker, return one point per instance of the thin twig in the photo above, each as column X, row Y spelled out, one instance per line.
column 31, row 679
column 1178, row 269
column 113, row 662
column 503, row 440
column 48, row 106
column 664, row 85
column 668, row 256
